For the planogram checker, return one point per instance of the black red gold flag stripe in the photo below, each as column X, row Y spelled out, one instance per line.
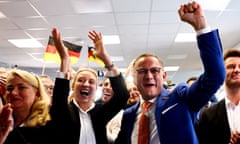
column 51, row 53
column 93, row 58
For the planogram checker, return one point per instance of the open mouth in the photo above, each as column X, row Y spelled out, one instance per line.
column 106, row 94
column 149, row 85
column 84, row 92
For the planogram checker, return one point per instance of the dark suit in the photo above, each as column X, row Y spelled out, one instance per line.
column 29, row 135
column 176, row 112
column 65, row 118
column 213, row 126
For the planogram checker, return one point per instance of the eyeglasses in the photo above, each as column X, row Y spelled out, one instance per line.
column 153, row 70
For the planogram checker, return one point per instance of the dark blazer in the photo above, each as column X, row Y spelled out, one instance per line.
column 176, row 112
column 65, row 117
column 29, row 135
column 213, row 126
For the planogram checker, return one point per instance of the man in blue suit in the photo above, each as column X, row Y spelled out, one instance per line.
column 172, row 115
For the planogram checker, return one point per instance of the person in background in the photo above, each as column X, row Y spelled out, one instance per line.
column 48, row 84
column 132, row 88
column 221, row 123
column 113, row 126
column 3, row 77
column 107, row 92
column 191, row 80
column 6, row 121
column 83, row 121
column 171, row 115
column 30, row 107
column 213, row 100
column 134, row 94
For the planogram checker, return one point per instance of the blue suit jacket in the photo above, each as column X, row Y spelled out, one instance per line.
column 176, row 112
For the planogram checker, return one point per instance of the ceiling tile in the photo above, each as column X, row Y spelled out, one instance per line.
column 132, row 18
column 17, row 9
column 30, row 23
column 131, row 5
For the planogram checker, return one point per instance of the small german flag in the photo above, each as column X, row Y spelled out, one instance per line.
column 93, row 58
column 51, row 53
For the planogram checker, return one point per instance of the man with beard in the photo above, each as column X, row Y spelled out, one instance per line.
column 221, row 123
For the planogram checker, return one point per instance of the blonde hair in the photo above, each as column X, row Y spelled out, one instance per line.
column 39, row 114
column 83, row 70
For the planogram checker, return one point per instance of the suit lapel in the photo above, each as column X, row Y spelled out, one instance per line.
column 222, row 113
column 162, row 98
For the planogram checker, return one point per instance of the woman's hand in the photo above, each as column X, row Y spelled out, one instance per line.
column 6, row 122
column 99, row 51
column 65, row 61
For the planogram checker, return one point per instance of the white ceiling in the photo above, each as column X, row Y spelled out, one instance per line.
column 142, row 25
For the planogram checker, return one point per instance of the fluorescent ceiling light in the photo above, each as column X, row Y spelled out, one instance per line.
column 2, row 15
column 171, row 68
column 93, row 6
column 185, row 37
column 216, row 5
column 6, row 1
column 26, row 43
column 111, row 39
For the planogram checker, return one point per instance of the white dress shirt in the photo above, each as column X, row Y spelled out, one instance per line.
column 86, row 131
column 233, row 114
column 154, row 139
column 114, row 126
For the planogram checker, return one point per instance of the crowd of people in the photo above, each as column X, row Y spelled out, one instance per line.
column 43, row 110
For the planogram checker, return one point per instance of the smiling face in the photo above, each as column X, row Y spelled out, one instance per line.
column 48, row 84
column 107, row 91
column 149, row 76
column 21, row 95
column 84, row 88
column 232, row 65
column 134, row 95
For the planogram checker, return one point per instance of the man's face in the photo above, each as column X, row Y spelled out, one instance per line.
column 107, row 91
column 134, row 95
column 232, row 65
column 149, row 77
column 49, row 85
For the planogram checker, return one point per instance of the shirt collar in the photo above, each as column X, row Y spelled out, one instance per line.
column 229, row 104
column 151, row 100
column 80, row 109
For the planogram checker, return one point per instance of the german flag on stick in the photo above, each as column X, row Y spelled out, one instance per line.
column 51, row 53
column 93, row 58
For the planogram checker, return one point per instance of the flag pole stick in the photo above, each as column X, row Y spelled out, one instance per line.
column 43, row 68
